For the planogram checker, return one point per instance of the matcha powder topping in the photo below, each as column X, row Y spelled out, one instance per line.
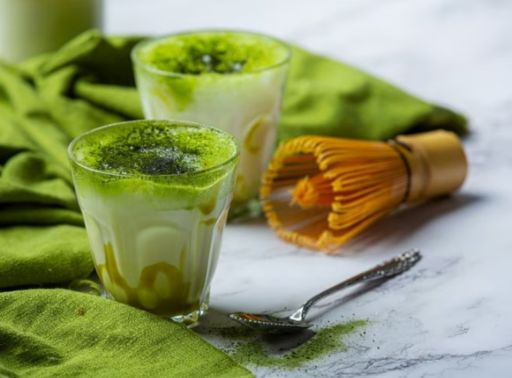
column 155, row 149
column 213, row 52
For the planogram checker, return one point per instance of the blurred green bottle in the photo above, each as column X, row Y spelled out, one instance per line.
column 31, row 27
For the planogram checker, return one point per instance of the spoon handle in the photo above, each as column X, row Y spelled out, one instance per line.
column 389, row 268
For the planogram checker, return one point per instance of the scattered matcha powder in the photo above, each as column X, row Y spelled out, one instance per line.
column 253, row 351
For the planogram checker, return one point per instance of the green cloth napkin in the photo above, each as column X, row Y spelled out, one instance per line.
column 89, row 82
column 61, row 333
column 326, row 97
column 44, row 103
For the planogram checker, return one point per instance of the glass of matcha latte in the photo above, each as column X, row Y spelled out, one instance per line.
column 232, row 80
column 155, row 197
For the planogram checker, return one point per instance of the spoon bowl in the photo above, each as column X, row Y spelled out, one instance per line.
column 269, row 323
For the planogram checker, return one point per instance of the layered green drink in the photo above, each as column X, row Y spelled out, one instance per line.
column 232, row 80
column 155, row 197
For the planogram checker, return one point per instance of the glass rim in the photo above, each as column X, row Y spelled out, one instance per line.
column 170, row 122
column 136, row 49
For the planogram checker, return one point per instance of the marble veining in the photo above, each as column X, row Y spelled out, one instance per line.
column 450, row 315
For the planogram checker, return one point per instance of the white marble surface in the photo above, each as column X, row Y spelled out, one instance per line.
column 450, row 316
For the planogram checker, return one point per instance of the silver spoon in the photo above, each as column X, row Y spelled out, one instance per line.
column 297, row 321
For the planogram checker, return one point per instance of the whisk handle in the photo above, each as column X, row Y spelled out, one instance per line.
column 389, row 268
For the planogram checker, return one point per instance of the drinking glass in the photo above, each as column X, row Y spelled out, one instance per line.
column 232, row 80
column 155, row 235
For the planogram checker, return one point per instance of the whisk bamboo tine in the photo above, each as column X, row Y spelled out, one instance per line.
column 319, row 192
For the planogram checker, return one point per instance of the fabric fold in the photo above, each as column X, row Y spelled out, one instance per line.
column 61, row 333
column 327, row 97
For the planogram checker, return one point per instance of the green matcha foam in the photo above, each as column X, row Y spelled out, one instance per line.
column 163, row 153
column 212, row 52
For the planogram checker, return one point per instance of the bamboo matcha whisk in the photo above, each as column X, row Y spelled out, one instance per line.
column 319, row 192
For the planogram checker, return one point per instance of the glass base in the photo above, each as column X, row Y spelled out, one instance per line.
column 191, row 319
